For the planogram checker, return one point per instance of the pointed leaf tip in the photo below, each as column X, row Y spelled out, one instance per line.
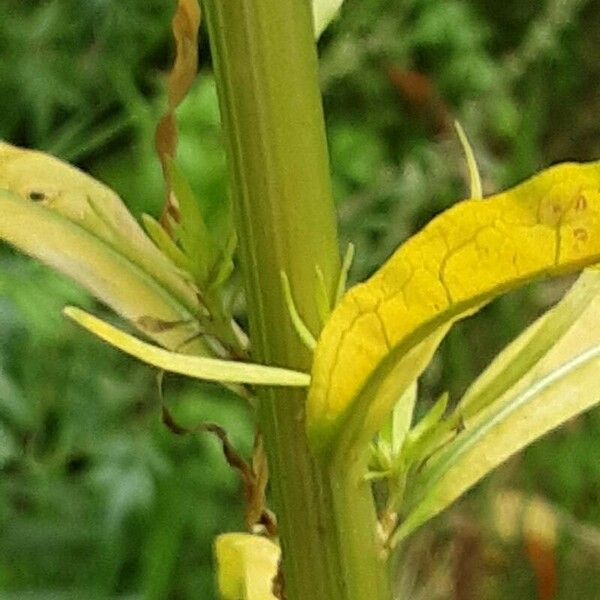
column 208, row 369
column 324, row 11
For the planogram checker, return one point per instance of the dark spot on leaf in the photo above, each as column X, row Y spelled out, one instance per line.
column 36, row 196
column 155, row 325
column 581, row 234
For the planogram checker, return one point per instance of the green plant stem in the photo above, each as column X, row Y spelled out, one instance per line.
column 265, row 66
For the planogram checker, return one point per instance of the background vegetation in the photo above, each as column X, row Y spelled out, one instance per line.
column 97, row 499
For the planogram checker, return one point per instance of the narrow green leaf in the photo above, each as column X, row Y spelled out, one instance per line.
column 424, row 429
column 475, row 188
column 322, row 296
column 192, row 233
column 209, row 369
column 165, row 243
column 398, row 425
column 547, row 403
column 224, row 266
column 299, row 325
column 346, row 265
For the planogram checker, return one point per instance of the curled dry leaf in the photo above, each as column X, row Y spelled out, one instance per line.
column 185, row 26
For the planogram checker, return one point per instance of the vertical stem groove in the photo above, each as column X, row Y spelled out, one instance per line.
column 265, row 65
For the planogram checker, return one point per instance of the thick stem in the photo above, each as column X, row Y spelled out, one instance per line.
column 265, row 66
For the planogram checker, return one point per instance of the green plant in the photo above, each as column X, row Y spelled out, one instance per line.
column 375, row 340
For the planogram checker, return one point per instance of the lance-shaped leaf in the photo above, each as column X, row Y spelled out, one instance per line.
column 471, row 253
column 78, row 226
column 563, row 384
column 199, row 367
column 246, row 566
column 45, row 180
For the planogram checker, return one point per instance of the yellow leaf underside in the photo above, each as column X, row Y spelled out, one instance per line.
column 246, row 566
column 209, row 369
column 49, row 182
column 76, row 253
column 474, row 251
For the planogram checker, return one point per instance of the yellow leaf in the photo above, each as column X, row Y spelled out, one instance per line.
column 471, row 253
column 73, row 223
column 208, row 369
column 246, row 566
column 42, row 179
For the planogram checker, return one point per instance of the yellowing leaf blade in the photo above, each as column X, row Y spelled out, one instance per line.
column 48, row 236
column 90, row 205
column 246, row 566
column 208, row 369
column 470, row 254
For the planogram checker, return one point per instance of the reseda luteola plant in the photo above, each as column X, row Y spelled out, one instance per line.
column 170, row 281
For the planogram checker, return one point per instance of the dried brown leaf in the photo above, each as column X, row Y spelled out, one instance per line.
column 185, row 26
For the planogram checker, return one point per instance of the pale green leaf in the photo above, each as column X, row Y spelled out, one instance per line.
column 224, row 266
column 344, row 271
column 209, row 369
column 299, row 325
column 522, row 357
column 426, row 427
column 322, row 296
column 532, row 392
column 191, row 232
column 398, row 425
column 165, row 243
column 502, row 431
column 476, row 190
column 516, row 365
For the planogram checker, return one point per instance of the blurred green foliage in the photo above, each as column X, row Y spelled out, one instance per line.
column 97, row 499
